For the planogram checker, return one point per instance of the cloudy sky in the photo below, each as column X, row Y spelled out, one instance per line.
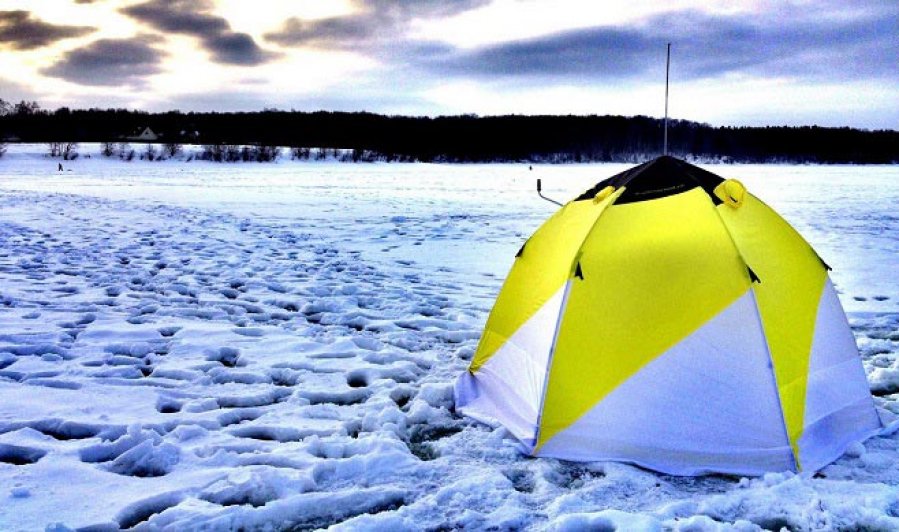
column 740, row 62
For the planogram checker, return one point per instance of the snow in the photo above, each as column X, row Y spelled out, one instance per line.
column 193, row 345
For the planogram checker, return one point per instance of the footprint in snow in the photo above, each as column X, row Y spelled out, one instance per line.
column 168, row 331
column 227, row 356
column 252, row 332
column 19, row 456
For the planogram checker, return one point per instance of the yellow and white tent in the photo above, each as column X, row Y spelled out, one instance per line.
column 668, row 318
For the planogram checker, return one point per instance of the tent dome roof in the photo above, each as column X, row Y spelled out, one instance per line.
column 660, row 177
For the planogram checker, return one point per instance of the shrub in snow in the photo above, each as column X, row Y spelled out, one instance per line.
column 171, row 149
column 220, row 153
column 300, row 153
column 125, row 152
column 67, row 150
column 264, row 154
column 232, row 153
column 358, row 155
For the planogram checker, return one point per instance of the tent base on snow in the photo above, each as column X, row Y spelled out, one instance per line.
column 670, row 319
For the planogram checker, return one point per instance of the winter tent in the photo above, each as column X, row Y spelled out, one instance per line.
column 668, row 318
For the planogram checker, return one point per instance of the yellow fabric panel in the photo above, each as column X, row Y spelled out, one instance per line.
column 654, row 272
column 792, row 281
column 542, row 268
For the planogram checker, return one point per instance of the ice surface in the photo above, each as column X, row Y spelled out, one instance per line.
column 193, row 345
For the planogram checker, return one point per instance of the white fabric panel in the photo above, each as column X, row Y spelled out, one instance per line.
column 839, row 409
column 707, row 404
column 508, row 388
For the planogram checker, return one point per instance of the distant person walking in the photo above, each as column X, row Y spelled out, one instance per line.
column 60, row 167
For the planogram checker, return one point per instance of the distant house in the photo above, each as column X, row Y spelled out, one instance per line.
column 143, row 134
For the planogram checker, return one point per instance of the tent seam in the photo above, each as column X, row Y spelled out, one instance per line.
column 758, row 315
column 552, row 347
column 549, row 363
column 783, row 418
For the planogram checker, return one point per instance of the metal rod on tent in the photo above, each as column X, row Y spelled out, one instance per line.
column 667, row 68
column 539, row 188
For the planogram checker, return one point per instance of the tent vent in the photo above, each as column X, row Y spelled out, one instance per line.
column 578, row 272
column 753, row 277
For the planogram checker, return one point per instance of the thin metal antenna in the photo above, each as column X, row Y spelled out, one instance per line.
column 667, row 69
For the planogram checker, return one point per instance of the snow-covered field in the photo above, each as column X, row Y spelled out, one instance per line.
column 192, row 345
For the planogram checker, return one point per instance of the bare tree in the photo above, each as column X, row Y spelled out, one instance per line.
column 125, row 151
column 149, row 152
column 6, row 108
column 54, row 149
column 108, row 149
column 69, row 151
column 171, row 149
column 297, row 152
column 2, row 149
column 232, row 152
column 267, row 153
column 212, row 152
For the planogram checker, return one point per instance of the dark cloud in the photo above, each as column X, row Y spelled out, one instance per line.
column 195, row 19
column 411, row 9
column 607, row 52
column 236, row 49
column 21, row 30
column 784, row 43
column 334, row 32
column 375, row 22
column 109, row 62
column 178, row 16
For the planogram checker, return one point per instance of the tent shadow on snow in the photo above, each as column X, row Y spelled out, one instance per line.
column 668, row 318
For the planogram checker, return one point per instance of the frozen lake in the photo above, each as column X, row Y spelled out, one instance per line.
column 190, row 344
column 848, row 213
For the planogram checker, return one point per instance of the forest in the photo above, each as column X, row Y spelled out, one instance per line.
column 461, row 138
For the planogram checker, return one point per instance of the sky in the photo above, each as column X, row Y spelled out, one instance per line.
column 740, row 62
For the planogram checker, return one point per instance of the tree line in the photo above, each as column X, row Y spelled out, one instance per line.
column 462, row 138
